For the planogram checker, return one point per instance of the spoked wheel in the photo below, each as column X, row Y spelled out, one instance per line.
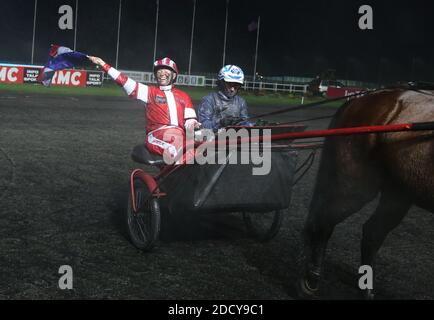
column 143, row 226
column 263, row 226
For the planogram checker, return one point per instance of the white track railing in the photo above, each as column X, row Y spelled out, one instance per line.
column 201, row 81
column 267, row 86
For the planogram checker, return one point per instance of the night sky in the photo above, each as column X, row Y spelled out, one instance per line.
column 297, row 38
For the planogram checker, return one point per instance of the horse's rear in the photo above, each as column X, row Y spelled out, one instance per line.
column 355, row 168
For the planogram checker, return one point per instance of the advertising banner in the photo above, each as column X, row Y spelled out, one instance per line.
column 70, row 78
column 94, row 78
column 29, row 74
column 11, row 74
column 342, row 92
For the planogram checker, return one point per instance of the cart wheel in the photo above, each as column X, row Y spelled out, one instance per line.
column 263, row 226
column 143, row 227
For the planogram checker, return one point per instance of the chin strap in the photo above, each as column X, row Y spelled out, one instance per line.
column 166, row 88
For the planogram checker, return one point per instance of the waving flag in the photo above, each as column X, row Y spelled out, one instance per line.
column 60, row 58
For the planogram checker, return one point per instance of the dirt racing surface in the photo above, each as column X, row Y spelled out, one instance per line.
column 64, row 168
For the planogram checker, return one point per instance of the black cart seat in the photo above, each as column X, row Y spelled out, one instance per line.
column 141, row 154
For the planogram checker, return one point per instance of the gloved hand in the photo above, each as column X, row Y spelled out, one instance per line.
column 261, row 122
column 246, row 123
column 192, row 123
column 96, row 60
column 230, row 121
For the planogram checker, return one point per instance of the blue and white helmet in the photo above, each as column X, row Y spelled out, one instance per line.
column 231, row 73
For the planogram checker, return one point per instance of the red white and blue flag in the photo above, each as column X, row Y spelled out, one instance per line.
column 60, row 58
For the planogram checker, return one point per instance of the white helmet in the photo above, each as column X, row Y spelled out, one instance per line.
column 231, row 73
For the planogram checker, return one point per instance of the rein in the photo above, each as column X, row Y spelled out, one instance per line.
column 417, row 87
column 313, row 104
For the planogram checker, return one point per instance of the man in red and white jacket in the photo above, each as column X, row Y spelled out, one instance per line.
column 169, row 111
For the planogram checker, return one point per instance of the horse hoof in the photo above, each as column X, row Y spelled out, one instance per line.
column 304, row 291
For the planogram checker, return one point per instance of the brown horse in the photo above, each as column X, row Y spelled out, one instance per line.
column 355, row 169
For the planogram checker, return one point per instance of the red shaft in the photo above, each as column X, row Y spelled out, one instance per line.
column 329, row 132
column 321, row 133
column 342, row 131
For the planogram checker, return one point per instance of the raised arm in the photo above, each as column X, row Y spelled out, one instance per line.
column 132, row 88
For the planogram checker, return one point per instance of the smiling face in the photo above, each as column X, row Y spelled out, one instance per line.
column 164, row 76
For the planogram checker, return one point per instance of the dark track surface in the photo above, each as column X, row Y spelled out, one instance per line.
column 64, row 165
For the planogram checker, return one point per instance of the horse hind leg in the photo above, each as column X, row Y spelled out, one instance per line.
column 316, row 237
column 331, row 204
column 392, row 208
